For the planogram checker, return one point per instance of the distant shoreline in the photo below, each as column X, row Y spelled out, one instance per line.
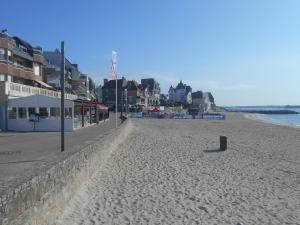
column 252, row 116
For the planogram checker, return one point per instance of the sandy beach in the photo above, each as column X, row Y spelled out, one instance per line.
column 171, row 172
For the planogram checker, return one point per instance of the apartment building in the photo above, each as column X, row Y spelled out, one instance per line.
column 75, row 82
column 27, row 102
column 20, row 62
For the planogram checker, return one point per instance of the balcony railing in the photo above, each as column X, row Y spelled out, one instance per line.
column 22, row 54
column 20, row 90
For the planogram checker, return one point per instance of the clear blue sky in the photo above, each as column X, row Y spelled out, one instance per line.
column 244, row 52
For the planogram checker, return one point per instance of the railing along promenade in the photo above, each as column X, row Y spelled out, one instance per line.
column 21, row 90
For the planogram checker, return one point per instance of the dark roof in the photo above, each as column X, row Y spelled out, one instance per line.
column 180, row 85
column 132, row 85
column 53, row 58
column 141, row 87
column 112, row 84
column 188, row 89
column 211, row 98
column 20, row 41
column 197, row 94
column 149, row 82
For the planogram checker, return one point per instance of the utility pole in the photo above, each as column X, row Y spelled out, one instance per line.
column 62, row 96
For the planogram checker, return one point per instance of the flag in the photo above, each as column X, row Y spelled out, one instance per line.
column 113, row 65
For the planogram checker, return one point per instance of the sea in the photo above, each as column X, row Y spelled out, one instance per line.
column 285, row 119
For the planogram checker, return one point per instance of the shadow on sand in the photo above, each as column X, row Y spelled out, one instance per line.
column 213, row 150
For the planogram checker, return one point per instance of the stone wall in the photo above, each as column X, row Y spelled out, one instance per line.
column 41, row 200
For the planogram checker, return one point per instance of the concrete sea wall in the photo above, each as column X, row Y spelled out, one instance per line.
column 41, row 200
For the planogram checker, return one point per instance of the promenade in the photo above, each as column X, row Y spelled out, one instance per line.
column 25, row 155
column 172, row 172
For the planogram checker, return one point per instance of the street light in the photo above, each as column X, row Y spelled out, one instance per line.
column 62, row 97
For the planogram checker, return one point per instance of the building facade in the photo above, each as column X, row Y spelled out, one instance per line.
column 27, row 102
column 153, row 91
column 99, row 94
column 197, row 99
column 134, row 93
column 20, row 62
column 181, row 94
column 208, row 101
column 109, row 92
column 75, row 82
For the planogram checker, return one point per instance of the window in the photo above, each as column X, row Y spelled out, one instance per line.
column 2, row 77
column 54, row 112
column 9, row 55
column 2, row 54
column 68, row 113
column 43, row 112
column 22, row 113
column 9, row 78
column 31, row 111
column 36, row 68
column 12, row 113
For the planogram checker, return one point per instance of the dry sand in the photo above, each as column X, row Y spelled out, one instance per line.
column 171, row 172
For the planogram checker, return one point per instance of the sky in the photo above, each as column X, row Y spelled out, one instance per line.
column 243, row 52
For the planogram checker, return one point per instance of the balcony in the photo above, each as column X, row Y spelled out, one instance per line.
column 38, row 55
column 20, row 90
column 18, row 70
column 22, row 54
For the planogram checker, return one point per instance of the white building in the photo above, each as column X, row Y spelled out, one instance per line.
column 208, row 101
column 28, row 108
column 181, row 94
column 38, row 113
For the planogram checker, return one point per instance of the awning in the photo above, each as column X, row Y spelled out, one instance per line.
column 44, row 84
column 102, row 107
column 155, row 110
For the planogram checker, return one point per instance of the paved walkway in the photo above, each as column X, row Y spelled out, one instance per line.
column 23, row 155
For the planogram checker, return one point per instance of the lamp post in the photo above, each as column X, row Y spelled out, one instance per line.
column 114, row 76
column 62, row 97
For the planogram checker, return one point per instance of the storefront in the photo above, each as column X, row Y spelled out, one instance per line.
column 84, row 113
column 38, row 113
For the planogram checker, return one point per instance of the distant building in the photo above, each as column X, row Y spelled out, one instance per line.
column 99, row 93
column 208, row 101
column 153, row 91
column 197, row 98
column 181, row 94
column 75, row 81
column 52, row 68
column 84, row 86
column 134, row 93
column 109, row 92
